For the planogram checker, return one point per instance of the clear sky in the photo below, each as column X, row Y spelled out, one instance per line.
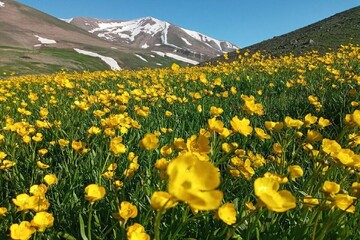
column 242, row 22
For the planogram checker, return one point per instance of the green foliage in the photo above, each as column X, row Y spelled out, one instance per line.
column 130, row 104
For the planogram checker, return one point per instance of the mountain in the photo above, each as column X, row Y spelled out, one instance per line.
column 330, row 33
column 34, row 42
column 158, row 36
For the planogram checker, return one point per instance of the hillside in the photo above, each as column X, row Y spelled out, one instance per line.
column 34, row 42
column 329, row 33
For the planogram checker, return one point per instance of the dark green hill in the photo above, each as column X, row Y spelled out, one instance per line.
column 329, row 33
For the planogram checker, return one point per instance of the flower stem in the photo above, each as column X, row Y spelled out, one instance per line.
column 89, row 221
column 157, row 224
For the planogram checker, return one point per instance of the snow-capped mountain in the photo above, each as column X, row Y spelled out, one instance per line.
column 156, row 35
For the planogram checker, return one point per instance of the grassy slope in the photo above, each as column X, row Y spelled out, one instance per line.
column 49, row 60
column 342, row 28
column 15, row 57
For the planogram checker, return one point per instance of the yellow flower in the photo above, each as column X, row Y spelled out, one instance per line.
column 242, row 126
column 161, row 164
column 344, row 202
column 310, row 202
column 3, row 211
column 94, row 193
column 267, row 191
column 6, row 164
column 43, row 151
column 116, row 146
column 38, row 137
column 226, row 147
column 215, row 111
column 295, row 171
column 280, row 179
column 77, row 145
column 127, row 210
column 277, row 126
column 50, row 179
column 331, row 187
column 215, row 125
column 136, row 232
column 199, row 108
column 179, row 144
column 2, row 155
column 24, row 202
column 22, row 231
column 251, row 107
column 250, row 206
column 309, row 120
column 323, row 122
column 199, row 146
column 168, row 113
column 42, row 220
column 166, row 150
column 118, row 184
column 26, row 139
column 94, row 130
column 149, row 142
column 277, row 149
column 194, row 182
column 290, row 122
column 42, row 165
column 38, row 190
column 330, row 146
column 227, row 213
column 108, row 175
column 313, row 136
column 175, row 67
column 348, row 157
column 63, row 142
column 162, row 200
column 261, row 134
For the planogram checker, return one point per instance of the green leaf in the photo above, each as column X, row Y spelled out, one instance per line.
column 82, row 228
column 66, row 236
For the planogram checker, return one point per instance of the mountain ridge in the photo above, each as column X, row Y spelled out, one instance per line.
column 34, row 42
column 154, row 34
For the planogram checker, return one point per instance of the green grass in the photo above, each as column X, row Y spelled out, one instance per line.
column 285, row 90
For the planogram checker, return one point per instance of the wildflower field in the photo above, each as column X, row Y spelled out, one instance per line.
column 261, row 148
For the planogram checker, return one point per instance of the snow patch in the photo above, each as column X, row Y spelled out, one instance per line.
column 145, row 46
column 164, row 34
column 130, row 29
column 177, row 57
column 161, row 54
column 141, row 57
column 68, row 20
column 186, row 41
column 2, row 4
column 108, row 60
column 45, row 40
column 206, row 39
column 152, row 56
column 159, row 64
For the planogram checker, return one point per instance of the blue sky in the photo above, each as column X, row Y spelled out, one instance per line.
column 242, row 22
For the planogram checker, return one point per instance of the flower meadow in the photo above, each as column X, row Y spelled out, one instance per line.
column 260, row 148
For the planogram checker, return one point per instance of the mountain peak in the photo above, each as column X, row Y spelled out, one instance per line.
column 156, row 35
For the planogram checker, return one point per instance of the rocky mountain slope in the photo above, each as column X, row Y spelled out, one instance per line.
column 156, row 35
